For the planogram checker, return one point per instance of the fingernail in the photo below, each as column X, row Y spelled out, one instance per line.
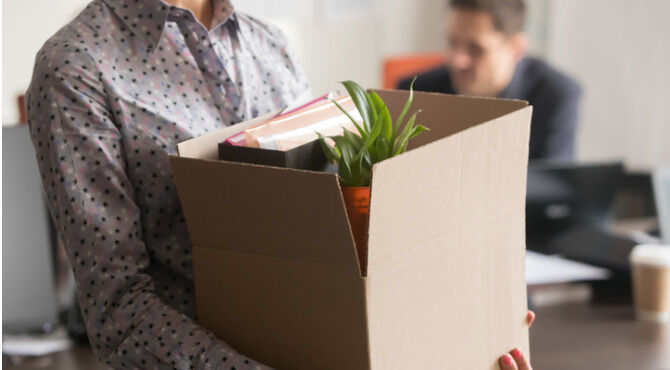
column 516, row 353
column 507, row 360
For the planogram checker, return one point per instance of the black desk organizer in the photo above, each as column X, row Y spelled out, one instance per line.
column 308, row 156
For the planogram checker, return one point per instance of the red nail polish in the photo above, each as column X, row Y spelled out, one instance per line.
column 516, row 353
column 507, row 360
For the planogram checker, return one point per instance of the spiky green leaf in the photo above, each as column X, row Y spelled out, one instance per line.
column 380, row 151
column 332, row 153
column 344, row 171
column 417, row 130
column 346, row 148
column 358, row 127
column 356, row 140
column 405, row 109
column 360, row 98
column 401, row 141
column 383, row 114
column 374, row 133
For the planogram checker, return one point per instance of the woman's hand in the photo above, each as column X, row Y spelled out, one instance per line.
column 515, row 360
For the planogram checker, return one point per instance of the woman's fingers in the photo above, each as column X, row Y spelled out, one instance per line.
column 507, row 362
column 520, row 359
column 515, row 360
column 530, row 317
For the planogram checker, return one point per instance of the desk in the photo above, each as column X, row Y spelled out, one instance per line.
column 584, row 336
column 575, row 337
column 78, row 358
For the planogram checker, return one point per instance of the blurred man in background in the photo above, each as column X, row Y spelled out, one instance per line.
column 486, row 57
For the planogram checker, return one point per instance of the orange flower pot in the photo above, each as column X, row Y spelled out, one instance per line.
column 357, row 202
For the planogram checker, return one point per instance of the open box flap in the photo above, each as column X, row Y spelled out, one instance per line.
column 498, row 145
column 447, row 234
column 243, row 208
column 446, row 114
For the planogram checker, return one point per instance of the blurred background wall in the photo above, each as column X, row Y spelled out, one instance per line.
column 613, row 47
column 619, row 51
column 26, row 25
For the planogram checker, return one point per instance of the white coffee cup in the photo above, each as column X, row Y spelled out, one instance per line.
column 650, row 267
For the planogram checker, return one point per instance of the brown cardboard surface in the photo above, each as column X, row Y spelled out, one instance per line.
column 237, row 219
column 450, row 247
column 289, row 313
column 448, row 114
column 267, row 211
column 276, row 272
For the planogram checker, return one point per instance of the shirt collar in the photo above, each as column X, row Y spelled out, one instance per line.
column 147, row 18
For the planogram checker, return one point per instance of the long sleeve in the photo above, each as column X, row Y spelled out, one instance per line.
column 82, row 155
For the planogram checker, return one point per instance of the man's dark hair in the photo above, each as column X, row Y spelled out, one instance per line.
column 508, row 15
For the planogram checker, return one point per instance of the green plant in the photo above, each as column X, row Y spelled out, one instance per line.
column 379, row 138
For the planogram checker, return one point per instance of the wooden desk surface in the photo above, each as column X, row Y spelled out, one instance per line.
column 77, row 358
column 568, row 337
column 584, row 336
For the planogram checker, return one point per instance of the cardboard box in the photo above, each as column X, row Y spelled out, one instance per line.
column 277, row 276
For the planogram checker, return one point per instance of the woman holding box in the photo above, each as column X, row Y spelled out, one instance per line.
column 112, row 94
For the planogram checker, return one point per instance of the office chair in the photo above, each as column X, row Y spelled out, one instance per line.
column 399, row 67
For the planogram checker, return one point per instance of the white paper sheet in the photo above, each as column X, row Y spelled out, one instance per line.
column 36, row 345
column 546, row 269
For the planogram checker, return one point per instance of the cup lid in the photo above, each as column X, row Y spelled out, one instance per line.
column 651, row 254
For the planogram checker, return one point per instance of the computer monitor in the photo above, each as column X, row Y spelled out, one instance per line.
column 28, row 290
column 562, row 196
column 662, row 196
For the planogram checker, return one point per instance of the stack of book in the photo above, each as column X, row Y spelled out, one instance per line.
column 291, row 139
